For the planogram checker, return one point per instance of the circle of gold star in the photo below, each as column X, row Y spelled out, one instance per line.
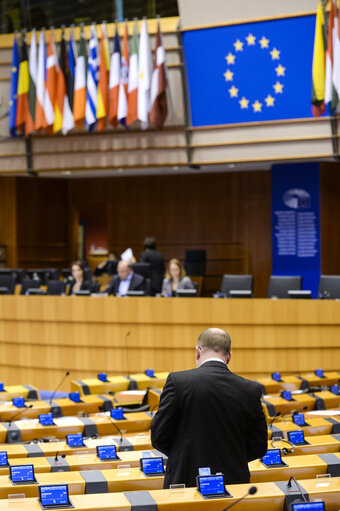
column 228, row 75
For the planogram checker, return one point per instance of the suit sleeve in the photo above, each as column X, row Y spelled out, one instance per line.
column 164, row 423
column 257, row 443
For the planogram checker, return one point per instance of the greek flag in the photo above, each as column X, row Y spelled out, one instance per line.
column 92, row 81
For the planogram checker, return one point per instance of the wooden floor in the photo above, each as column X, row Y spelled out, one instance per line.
column 42, row 337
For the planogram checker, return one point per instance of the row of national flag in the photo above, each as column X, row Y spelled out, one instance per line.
column 89, row 87
column 326, row 62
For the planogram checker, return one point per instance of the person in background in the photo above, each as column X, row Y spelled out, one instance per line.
column 108, row 266
column 78, row 283
column 125, row 281
column 175, row 278
column 155, row 258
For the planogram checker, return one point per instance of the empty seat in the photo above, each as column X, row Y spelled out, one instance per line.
column 236, row 283
column 279, row 286
column 29, row 284
column 9, row 282
column 44, row 274
column 55, row 287
column 143, row 269
column 329, row 286
column 195, row 262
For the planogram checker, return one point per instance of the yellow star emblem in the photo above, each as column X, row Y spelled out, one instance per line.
column 250, row 40
column 244, row 103
column 264, row 42
column 275, row 54
column 228, row 75
column 257, row 106
column 280, row 70
column 230, row 58
column 278, row 87
column 238, row 45
column 233, row 92
column 269, row 100
column 14, row 69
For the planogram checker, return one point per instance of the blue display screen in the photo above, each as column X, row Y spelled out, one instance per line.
column 2, row 387
column 309, row 506
column 286, row 394
column 117, row 413
column 46, row 419
column 75, row 440
column 319, row 373
column 105, row 452
column 276, row 376
column 150, row 373
column 296, row 437
column 211, row 485
column 3, row 458
column 54, row 495
column 19, row 402
column 74, row 396
column 152, row 465
column 299, row 419
column 20, row 473
column 272, row 457
column 335, row 389
column 102, row 377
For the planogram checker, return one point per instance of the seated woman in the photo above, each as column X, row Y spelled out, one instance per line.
column 175, row 278
column 78, row 284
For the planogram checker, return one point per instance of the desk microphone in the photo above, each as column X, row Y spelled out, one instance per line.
column 101, row 408
column 252, row 490
column 18, row 413
column 289, row 484
column 59, row 384
column 56, row 456
column 274, row 419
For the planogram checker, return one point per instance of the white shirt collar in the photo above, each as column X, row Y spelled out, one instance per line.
column 214, row 359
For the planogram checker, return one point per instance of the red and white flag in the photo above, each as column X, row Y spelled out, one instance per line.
column 132, row 91
column 114, row 81
column 50, row 97
column 159, row 105
column 144, row 76
column 124, row 77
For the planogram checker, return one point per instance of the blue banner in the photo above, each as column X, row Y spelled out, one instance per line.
column 296, row 222
column 251, row 72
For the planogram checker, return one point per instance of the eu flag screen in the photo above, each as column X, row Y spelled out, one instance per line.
column 296, row 437
column 272, row 457
column 117, row 413
column 106, row 452
column 21, row 473
column 3, row 458
column 75, row 440
column 251, row 72
column 46, row 419
column 19, row 402
column 309, row 506
column 211, row 485
column 152, row 465
column 54, row 495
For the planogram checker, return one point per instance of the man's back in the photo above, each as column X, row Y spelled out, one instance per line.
column 209, row 417
column 156, row 261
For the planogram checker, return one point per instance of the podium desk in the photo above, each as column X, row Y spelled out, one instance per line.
column 138, row 381
column 26, row 391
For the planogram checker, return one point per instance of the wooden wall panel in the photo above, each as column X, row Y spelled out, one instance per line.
column 330, row 218
column 8, row 219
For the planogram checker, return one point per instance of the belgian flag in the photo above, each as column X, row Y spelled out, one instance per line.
column 23, row 86
column 319, row 54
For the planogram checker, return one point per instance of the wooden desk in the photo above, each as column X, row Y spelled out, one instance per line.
column 290, row 382
column 26, row 391
column 118, row 383
column 41, row 337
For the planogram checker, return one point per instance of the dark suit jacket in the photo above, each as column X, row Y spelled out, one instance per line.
column 85, row 286
column 137, row 283
column 156, row 261
column 209, row 417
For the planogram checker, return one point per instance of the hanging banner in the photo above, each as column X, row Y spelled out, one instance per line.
column 296, row 222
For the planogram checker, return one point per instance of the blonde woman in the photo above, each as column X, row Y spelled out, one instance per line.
column 175, row 278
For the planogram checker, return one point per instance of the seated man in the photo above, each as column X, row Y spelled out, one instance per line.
column 125, row 281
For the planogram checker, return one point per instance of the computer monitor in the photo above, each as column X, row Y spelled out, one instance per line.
column 186, row 293
column 107, row 452
column 296, row 437
column 212, row 486
column 117, row 414
column 308, row 506
column 75, row 440
column 19, row 402
column 3, row 459
column 21, row 474
column 54, row 496
column 46, row 419
column 152, row 466
column 272, row 458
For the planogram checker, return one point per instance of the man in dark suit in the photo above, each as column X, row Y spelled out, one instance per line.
column 155, row 258
column 209, row 417
column 125, row 281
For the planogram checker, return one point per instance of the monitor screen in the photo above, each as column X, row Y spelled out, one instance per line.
column 105, row 452
column 319, row 373
column 54, row 495
column 75, row 440
column 296, row 437
column 46, row 419
column 276, row 376
column 19, row 473
column 308, row 506
column 211, row 485
column 3, row 458
column 74, row 396
column 335, row 389
column 152, row 465
column 286, row 394
column 102, row 377
column 272, row 457
column 299, row 419
column 19, row 402
column 150, row 373
column 2, row 387
column 117, row 413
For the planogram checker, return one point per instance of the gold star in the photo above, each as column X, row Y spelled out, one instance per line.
column 278, row 87
column 264, row 42
column 275, row 54
column 233, row 92
column 230, row 58
column 250, row 40
column 238, row 45
column 14, row 69
column 280, row 70
column 244, row 103
column 228, row 75
column 257, row 106
column 269, row 100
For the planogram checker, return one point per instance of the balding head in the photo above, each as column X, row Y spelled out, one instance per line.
column 213, row 343
column 123, row 270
